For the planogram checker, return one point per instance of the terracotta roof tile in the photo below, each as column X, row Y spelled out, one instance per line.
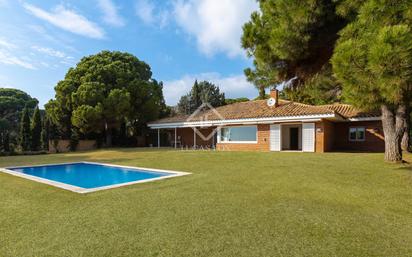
column 349, row 111
column 259, row 109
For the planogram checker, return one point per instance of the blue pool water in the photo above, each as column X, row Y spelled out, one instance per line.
column 89, row 175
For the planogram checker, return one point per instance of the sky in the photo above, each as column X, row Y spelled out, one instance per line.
column 182, row 40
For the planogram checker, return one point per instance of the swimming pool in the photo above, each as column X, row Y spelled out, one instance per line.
column 85, row 177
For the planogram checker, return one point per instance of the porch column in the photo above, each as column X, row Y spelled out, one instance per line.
column 175, row 137
column 158, row 138
column 194, row 139
column 213, row 140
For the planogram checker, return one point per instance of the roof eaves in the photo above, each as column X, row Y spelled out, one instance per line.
column 312, row 117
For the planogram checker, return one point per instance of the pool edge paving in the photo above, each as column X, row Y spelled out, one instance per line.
column 81, row 190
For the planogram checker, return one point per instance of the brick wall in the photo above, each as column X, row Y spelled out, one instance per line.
column 374, row 138
column 324, row 136
column 329, row 136
column 319, row 137
column 263, row 142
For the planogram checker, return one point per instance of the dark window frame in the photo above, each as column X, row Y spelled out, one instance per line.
column 357, row 130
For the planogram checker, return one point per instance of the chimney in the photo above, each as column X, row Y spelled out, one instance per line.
column 274, row 93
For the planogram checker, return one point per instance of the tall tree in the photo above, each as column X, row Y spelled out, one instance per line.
column 45, row 134
column 406, row 144
column 36, row 128
column 6, row 141
column 373, row 61
column 59, row 110
column 74, row 140
column 12, row 102
column 201, row 92
column 292, row 38
column 321, row 88
column 102, row 92
column 97, row 108
column 24, row 138
column 4, row 132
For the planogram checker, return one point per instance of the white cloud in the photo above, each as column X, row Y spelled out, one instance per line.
column 68, row 20
column 111, row 16
column 216, row 24
column 145, row 11
column 9, row 59
column 163, row 18
column 233, row 86
column 46, row 35
column 6, row 44
column 150, row 15
column 64, row 58
column 49, row 51
column 53, row 53
column 45, row 64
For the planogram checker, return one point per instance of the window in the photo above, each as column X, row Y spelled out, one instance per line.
column 242, row 134
column 356, row 134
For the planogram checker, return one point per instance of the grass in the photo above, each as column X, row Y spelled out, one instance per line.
column 234, row 204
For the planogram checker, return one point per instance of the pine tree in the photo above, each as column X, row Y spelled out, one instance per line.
column 6, row 142
column 292, row 38
column 373, row 60
column 1, row 142
column 45, row 134
column 201, row 92
column 24, row 138
column 195, row 100
column 74, row 139
column 36, row 128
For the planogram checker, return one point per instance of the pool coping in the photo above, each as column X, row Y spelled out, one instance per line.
column 81, row 190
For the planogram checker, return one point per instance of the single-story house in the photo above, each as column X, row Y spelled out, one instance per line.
column 276, row 125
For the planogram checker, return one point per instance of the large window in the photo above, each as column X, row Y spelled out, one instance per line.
column 239, row 134
column 357, row 134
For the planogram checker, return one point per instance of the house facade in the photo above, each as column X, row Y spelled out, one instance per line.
column 276, row 125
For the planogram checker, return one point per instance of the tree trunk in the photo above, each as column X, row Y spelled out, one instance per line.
column 393, row 123
column 108, row 135
column 406, row 140
column 262, row 93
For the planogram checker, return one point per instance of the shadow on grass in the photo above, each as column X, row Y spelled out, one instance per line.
column 405, row 166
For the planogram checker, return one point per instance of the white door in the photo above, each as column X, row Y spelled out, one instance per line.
column 275, row 137
column 308, row 137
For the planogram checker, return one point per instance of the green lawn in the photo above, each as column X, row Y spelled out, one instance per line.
column 234, row 204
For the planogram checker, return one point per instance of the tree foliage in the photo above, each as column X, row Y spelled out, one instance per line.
column 321, row 88
column 12, row 102
column 289, row 38
column 45, row 133
column 4, row 136
column 36, row 128
column 24, row 136
column 373, row 61
column 102, row 92
column 201, row 92
column 236, row 100
column 6, row 142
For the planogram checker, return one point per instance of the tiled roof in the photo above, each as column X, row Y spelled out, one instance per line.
column 349, row 111
column 259, row 109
